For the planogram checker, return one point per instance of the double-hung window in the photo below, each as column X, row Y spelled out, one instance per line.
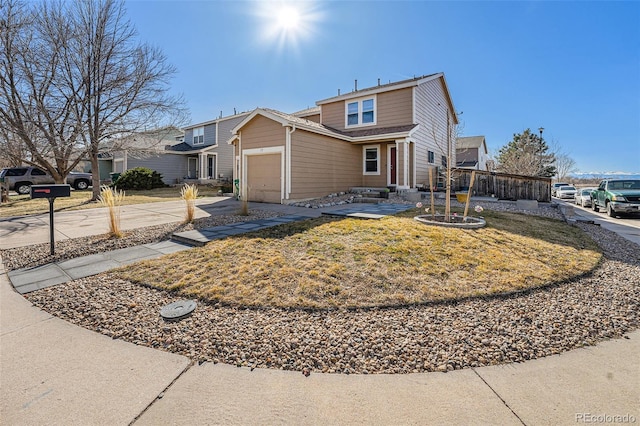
column 431, row 157
column 198, row 135
column 371, row 160
column 361, row 112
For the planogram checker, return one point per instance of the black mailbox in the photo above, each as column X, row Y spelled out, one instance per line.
column 50, row 191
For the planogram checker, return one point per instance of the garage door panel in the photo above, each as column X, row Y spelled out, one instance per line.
column 264, row 178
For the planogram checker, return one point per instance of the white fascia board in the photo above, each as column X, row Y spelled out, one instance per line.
column 385, row 136
column 321, row 132
column 256, row 112
column 232, row 139
column 448, row 94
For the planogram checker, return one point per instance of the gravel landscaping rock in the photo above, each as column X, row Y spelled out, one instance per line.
column 544, row 209
column 438, row 337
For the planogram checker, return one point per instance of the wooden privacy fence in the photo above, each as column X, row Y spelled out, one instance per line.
column 503, row 186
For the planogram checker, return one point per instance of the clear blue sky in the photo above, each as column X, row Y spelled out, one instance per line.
column 570, row 67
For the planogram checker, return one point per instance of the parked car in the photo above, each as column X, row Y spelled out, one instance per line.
column 617, row 196
column 566, row 191
column 20, row 179
column 555, row 186
column 583, row 197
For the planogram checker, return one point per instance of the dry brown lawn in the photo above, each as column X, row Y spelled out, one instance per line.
column 21, row 205
column 327, row 263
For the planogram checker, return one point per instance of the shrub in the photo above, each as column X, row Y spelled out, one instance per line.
column 112, row 199
column 140, row 178
column 189, row 193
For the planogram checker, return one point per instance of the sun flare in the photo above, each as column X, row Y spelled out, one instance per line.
column 288, row 18
column 287, row 24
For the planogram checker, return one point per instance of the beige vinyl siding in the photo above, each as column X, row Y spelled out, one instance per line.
column 333, row 115
column 393, row 108
column 431, row 106
column 262, row 132
column 315, row 117
column 377, row 181
column 321, row 165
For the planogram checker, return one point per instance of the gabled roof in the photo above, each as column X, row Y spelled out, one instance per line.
column 471, row 142
column 215, row 120
column 183, row 147
column 379, row 131
column 307, row 112
column 151, row 140
column 314, row 127
column 468, row 163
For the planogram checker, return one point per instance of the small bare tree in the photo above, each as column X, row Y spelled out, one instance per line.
column 445, row 139
column 565, row 165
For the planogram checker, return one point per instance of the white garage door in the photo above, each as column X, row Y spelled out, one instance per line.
column 264, row 178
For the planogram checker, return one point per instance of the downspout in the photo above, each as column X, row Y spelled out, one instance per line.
column 287, row 188
column 240, row 177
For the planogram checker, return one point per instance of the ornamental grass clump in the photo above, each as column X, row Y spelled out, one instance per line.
column 112, row 198
column 189, row 193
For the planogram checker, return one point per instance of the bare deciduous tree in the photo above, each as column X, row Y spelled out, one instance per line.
column 73, row 75
column 445, row 140
column 35, row 104
column 565, row 165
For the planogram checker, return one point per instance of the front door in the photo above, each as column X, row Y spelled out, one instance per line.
column 392, row 166
column 192, row 171
column 211, row 167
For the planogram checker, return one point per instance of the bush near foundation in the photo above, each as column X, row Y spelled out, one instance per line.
column 140, row 178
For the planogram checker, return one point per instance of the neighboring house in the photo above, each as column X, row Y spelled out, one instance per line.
column 144, row 149
column 208, row 155
column 472, row 153
column 383, row 136
column 199, row 154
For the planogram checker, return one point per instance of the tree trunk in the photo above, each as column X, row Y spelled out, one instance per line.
column 95, row 176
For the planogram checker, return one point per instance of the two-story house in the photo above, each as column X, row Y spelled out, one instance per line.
column 472, row 153
column 381, row 136
column 202, row 155
column 207, row 155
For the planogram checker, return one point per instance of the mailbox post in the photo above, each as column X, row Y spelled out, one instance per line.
column 51, row 192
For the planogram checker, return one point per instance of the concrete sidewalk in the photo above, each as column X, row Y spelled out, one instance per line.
column 53, row 372
column 28, row 230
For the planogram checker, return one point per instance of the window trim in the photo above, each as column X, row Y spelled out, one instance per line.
column 364, row 160
column 200, row 135
column 431, row 157
column 359, row 102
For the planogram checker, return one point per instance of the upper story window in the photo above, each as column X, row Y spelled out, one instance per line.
column 430, row 157
column 360, row 112
column 198, row 135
